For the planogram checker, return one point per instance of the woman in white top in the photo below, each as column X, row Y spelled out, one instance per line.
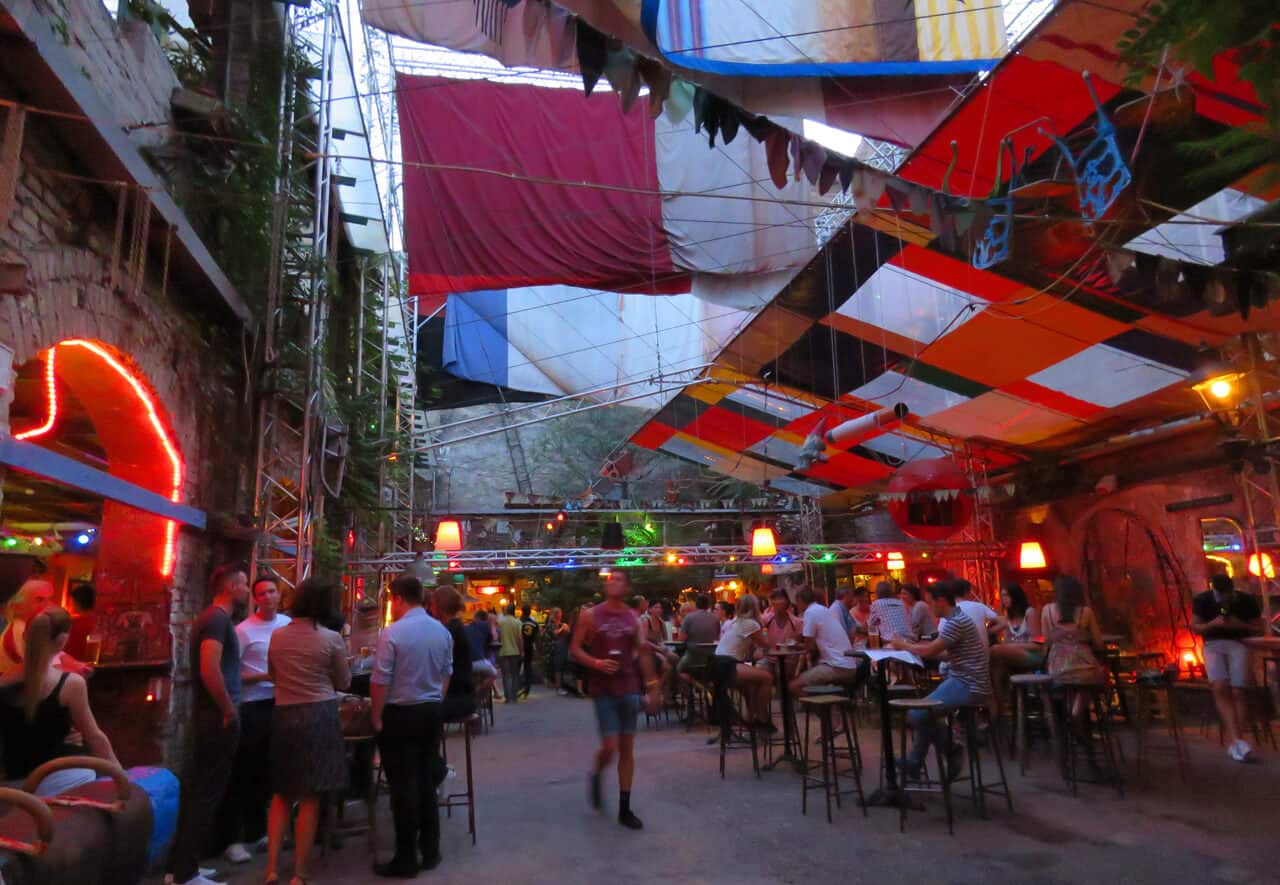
column 737, row 640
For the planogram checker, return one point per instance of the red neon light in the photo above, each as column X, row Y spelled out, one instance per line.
column 51, row 398
column 153, row 416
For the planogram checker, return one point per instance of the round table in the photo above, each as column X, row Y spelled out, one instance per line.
column 789, row 741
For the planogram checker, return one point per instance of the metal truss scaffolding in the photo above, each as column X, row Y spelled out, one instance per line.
column 293, row 432
column 525, row 558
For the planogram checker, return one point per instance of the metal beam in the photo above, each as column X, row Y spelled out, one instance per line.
column 526, row 559
column 31, row 458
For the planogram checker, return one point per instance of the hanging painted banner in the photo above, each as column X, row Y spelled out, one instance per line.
column 508, row 185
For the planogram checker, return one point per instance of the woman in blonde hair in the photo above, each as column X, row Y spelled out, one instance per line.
column 37, row 715
column 730, row 663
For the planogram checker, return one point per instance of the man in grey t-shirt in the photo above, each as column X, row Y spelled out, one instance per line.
column 700, row 626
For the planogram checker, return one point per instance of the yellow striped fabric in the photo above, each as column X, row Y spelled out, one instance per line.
column 951, row 30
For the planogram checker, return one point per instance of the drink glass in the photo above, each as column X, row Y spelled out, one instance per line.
column 92, row 649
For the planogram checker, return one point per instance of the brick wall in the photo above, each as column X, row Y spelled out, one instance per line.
column 64, row 232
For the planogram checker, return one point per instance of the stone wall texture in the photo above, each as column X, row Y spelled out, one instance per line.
column 63, row 230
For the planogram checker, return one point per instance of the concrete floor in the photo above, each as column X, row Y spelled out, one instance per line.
column 534, row 824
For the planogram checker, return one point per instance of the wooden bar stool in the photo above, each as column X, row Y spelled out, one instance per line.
column 467, row 797
column 825, row 706
column 936, row 710
column 1027, row 686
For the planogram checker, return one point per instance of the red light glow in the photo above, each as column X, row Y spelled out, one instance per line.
column 51, row 398
column 153, row 417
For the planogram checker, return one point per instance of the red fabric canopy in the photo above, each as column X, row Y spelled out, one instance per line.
column 466, row 231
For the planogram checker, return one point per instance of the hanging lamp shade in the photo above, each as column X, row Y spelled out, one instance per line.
column 449, row 535
column 1031, row 556
column 763, row 542
column 611, row 537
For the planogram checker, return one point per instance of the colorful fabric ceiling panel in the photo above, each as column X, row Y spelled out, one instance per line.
column 508, row 185
column 907, row 62
column 784, row 38
column 560, row 340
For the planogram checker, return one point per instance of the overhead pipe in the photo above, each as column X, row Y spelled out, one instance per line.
column 853, row 432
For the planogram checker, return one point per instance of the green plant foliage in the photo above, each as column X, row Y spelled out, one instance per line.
column 1193, row 33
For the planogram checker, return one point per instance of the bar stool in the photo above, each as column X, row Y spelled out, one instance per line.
column 1096, row 716
column 694, row 694
column 734, row 733
column 938, row 713
column 466, row 798
column 969, row 715
column 825, row 706
column 1147, row 691
column 360, row 755
column 1025, row 687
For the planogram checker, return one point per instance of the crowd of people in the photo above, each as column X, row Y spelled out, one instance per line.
column 267, row 736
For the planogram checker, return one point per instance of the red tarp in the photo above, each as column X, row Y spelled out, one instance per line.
column 466, row 231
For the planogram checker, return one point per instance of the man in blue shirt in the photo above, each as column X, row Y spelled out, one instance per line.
column 411, row 671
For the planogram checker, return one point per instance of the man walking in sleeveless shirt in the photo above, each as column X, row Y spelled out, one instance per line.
column 614, row 665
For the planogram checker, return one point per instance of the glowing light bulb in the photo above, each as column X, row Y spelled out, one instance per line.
column 1220, row 389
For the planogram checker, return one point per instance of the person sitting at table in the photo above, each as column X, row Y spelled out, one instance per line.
column 990, row 620
column 919, row 613
column 38, row 713
column 861, row 610
column 1224, row 616
column 725, row 612
column 829, row 646
column 888, row 617
column 783, row 628
column 34, row 596
column 1019, row 648
column 730, row 664
column 698, row 629
column 968, row 679
column 1075, row 647
column 479, row 641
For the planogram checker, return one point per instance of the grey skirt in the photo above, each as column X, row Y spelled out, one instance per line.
column 308, row 754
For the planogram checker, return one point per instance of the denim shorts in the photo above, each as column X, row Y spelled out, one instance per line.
column 617, row 714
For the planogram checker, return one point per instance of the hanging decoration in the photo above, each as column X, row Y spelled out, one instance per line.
column 930, row 499
column 1100, row 170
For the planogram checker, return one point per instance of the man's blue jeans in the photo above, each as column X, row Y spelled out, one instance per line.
column 952, row 693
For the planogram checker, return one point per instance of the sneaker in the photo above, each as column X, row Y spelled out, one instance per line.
column 629, row 820
column 1234, row 752
column 237, row 853
column 562, row 692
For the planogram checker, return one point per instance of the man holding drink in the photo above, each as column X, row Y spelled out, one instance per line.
column 614, row 665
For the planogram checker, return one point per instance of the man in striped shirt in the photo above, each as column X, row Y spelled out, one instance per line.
column 968, row 679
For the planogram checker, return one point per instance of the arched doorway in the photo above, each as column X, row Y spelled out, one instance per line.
column 95, row 484
column 1134, row 582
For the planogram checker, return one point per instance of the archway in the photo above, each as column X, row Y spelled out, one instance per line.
column 99, row 427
